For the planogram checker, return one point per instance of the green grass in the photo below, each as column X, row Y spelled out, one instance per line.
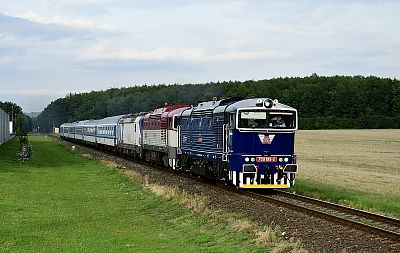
column 385, row 204
column 61, row 201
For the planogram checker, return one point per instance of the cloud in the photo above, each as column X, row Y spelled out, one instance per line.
column 34, row 92
column 67, row 22
column 32, row 25
column 104, row 52
column 22, row 28
column 96, row 44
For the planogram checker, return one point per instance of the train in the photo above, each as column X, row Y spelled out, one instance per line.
column 246, row 142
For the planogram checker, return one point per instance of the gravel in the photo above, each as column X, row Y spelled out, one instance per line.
column 316, row 235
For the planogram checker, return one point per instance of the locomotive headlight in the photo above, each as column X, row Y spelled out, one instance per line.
column 246, row 159
column 286, row 159
column 268, row 103
column 280, row 159
column 253, row 159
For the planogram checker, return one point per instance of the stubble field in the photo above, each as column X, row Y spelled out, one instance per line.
column 355, row 167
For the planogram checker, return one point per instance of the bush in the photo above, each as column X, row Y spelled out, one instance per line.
column 25, row 148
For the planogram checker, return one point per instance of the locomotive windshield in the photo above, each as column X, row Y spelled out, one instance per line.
column 267, row 119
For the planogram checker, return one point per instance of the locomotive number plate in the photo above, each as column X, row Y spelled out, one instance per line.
column 266, row 159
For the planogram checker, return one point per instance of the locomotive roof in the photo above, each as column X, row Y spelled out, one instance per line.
column 211, row 105
column 229, row 105
column 208, row 107
column 255, row 102
column 174, row 112
column 110, row 120
column 92, row 122
column 68, row 124
column 128, row 118
column 157, row 112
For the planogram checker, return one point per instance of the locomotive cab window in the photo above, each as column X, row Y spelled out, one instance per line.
column 170, row 123
column 231, row 120
column 267, row 119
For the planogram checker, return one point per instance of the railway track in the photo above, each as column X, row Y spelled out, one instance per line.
column 372, row 223
column 354, row 218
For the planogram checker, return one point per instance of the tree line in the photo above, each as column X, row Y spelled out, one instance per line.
column 322, row 102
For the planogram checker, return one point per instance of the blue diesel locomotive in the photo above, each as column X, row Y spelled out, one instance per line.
column 248, row 142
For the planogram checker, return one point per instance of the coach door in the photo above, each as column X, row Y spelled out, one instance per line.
column 226, row 136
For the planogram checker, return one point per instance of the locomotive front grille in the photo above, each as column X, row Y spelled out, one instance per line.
column 290, row 168
column 250, row 178
column 249, row 168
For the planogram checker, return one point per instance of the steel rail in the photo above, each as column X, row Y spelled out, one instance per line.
column 340, row 208
column 327, row 216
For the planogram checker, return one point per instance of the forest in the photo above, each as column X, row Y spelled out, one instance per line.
column 336, row 102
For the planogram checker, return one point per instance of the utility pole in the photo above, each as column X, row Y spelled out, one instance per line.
column 12, row 118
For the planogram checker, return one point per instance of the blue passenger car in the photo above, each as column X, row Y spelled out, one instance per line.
column 249, row 142
column 103, row 132
column 107, row 130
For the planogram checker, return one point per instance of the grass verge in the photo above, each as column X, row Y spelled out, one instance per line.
column 60, row 200
column 267, row 238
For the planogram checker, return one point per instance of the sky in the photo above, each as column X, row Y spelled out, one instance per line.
column 50, row 48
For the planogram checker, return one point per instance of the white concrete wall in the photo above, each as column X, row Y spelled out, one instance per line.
column 4, row 126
